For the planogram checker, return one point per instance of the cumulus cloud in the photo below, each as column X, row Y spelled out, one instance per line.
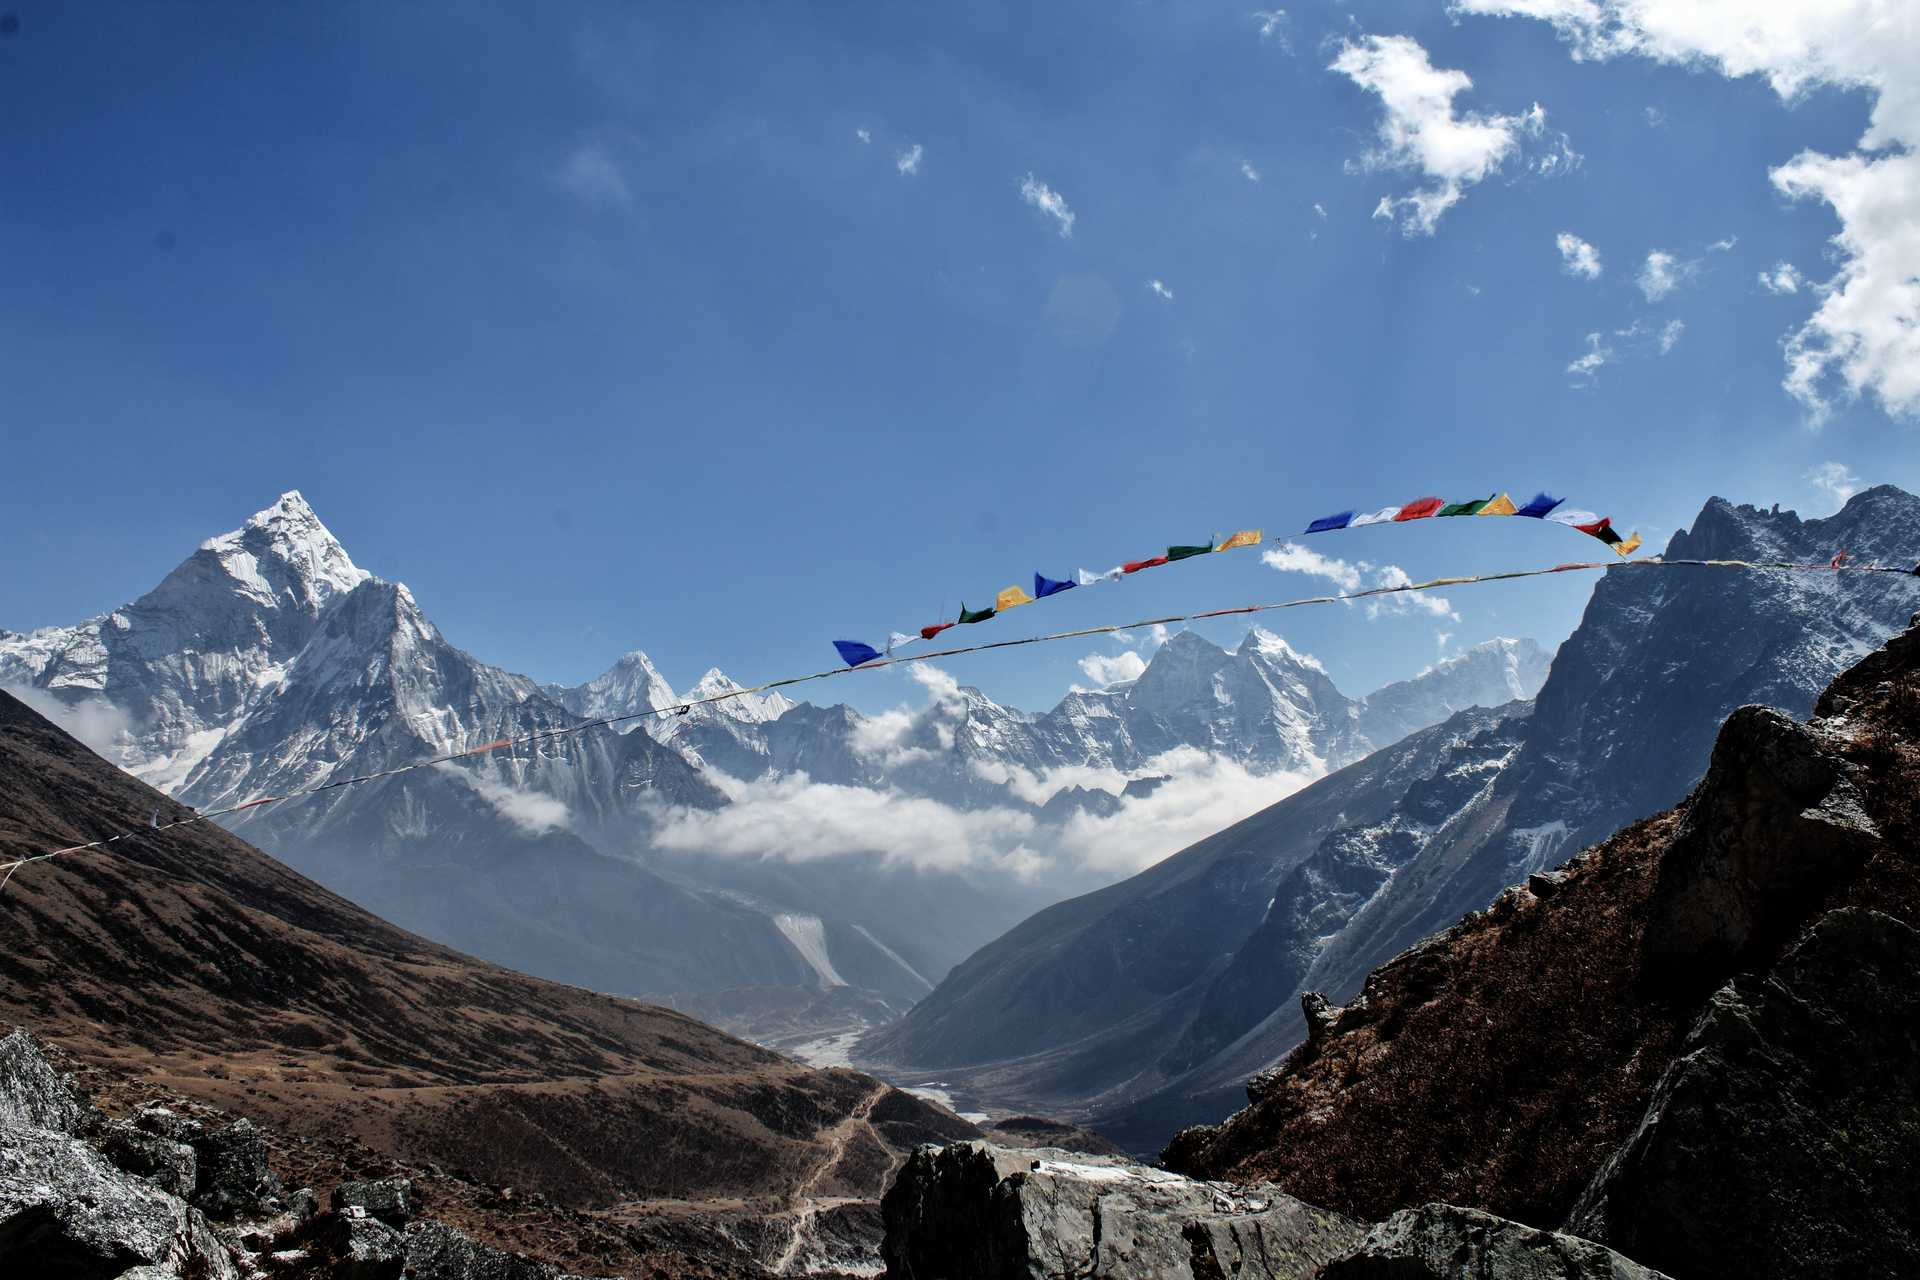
column 1577, row 257
column 1421, row 130
column 795, row 819
column 1863, row 339
column 534, row 813
column 94, row 722
column 590, row 174
column 1662, row 273
column 888, row 738
column 1783, row 278
column 1159, row 290
column 1834, row 482
column 1354, row 575
column 1110, row 669
column 1048, row 201
column 908, row 161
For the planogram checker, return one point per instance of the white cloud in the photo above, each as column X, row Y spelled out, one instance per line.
column 1353, row 575
column 908, row 161
column 1248, row 172
column 1422, row 131
column 1656, row 118
column 1320, row 209
column 1784, row 278
column 1159, row 289
column 533, row 812
column 1864, row 336
column 1833, row 481
column 1662, row 273
column 863, row 134
column 1577, row 257
column 590, row 174
column 1048, row 201
column 1590, row 364
column 1670, row 334
column 1724, row 245
column 795, row 819
column 1110, row 669
column 1273, row 26
column 94, row 722
column 884, row 737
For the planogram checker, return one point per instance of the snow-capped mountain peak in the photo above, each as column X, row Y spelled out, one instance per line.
column 629, row 687
column 754, row 708
column 287, row 537
column 1271, row 644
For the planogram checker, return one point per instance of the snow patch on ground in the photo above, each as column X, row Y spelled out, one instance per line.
column 809, row 937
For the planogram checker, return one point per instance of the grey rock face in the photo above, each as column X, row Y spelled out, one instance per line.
column 388, row 1199
column 1445, row 1242
column 165, row 1123
column 171, row 1166
column 363, row 1247
column 233, row 1174
column 32, row 1094
column 436, row 1251
column 1785, row 1139
column 65, row 1211
column 982, row 1212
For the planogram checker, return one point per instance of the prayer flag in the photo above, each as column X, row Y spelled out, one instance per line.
column 1187, row 553
column 1010, row 598
column 1837, row 560
column 1597, row 528
column 899, row 638
column 1500, row 506
column 1419, row 509
column 1541, row 504
column 1044, row 586
column 853, row 653
column 1574, row 518
column 974, row 615
column 1382, row 516
column 928, row 633
column 1630, row 546
column 1088, row 579
column 1244, row 538
column 1471, row 507
column 1135, row 566
column 1327, row 524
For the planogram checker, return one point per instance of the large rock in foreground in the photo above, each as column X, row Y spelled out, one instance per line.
column 1444, row 1241
column 972, row 1211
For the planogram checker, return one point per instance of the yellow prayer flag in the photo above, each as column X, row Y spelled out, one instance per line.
column 1628, row 547
column 1500, row 506
column 1010, row 598
column 1244, row 538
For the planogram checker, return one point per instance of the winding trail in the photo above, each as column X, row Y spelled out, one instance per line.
column 806, row 1206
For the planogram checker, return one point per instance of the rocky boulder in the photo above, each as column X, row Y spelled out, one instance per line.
column 66, row 1212
column 170, row 1166
column 32, row 1093
column 982, row 1212
column 234, row 1178
column 436, row 1251
column 388, row 1199
column 1444, row 1241
column 1785, row 1138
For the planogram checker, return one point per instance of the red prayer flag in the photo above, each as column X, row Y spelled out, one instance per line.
column 928, row 633
column 1135, row 566
column 1593, row 530
column 1838, row 560
column 1419, row 509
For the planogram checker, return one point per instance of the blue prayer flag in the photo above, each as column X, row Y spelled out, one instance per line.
column 1327, row 523
column 1541, row 504
column 853, row 653
column 1045, row 586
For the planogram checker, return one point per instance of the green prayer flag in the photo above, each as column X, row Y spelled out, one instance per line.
column 974, row 615
column 1469, row 508
column 1184, row 553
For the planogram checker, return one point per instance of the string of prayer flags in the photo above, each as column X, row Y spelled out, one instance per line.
column 1543, row 506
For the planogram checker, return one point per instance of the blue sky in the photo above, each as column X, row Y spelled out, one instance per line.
column 615, row 326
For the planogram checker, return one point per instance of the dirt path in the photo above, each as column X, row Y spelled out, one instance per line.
column 805, row 1206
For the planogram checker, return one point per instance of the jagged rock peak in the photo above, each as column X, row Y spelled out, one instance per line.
column 290, row 532
column 1271, row 644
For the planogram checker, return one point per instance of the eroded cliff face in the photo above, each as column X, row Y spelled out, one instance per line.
column 1695, row 1042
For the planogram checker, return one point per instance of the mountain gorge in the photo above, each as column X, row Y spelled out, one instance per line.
column 1309, row 895
column 269, row 661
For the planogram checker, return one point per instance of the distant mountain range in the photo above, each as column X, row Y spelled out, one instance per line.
column 269, row 661
column 1145, row 1005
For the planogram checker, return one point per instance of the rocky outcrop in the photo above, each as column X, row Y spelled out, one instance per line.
column 1785, row 1139
column 32, row 1094
column 1444, row 1241
column 980, row 1212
